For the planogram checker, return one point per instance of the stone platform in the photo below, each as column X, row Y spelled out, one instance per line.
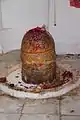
column 66, row 107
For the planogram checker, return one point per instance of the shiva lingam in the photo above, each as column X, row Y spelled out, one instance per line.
column 38, row 57
column 39, row 75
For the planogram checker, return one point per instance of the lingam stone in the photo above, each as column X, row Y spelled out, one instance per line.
column 38, row 57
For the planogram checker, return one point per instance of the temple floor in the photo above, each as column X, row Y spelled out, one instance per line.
column 66, row 107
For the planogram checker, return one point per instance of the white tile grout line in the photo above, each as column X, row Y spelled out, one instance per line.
column 22, row 110
column 60, row 109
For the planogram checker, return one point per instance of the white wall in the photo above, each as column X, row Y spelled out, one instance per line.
column 67, row 31
column 19, row 16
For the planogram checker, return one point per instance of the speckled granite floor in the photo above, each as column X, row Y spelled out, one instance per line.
column 66, row 107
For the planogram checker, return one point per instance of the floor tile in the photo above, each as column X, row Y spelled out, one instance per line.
column 39, row 117
column 11, row 56
column 70, row 105
column 70, row 117
column 10, row 105
column 42, row 107
column 9, row 116
column 3, row 69
column 43, row 101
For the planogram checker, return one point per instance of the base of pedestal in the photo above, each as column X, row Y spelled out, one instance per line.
column 17, row 88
